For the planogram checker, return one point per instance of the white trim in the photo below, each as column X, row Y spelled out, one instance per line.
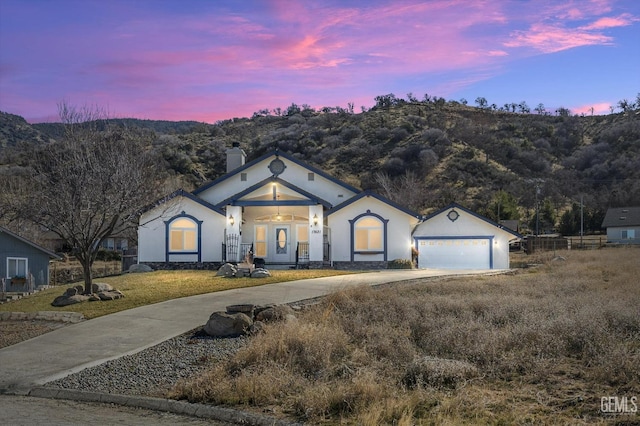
column 368, row 231
column 26, row 265
column 265, row 241
column 184, row 232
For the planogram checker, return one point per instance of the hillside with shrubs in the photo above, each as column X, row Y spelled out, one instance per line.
column 505, row 163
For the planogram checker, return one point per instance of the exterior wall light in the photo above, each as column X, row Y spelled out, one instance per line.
column 231, row 220
column 315, row 220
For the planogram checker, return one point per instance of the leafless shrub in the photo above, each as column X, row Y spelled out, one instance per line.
column 308, row 349
column 438, row 372
column 339, row 399
column 446, row 350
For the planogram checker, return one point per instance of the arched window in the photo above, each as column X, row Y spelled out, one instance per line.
column 369, row 234
column 183, row 235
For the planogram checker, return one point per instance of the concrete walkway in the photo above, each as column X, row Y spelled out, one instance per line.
column 61, row 352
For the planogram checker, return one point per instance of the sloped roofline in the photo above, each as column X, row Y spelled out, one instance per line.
column 369, row 193
column 613, row 215
column 275, row 153
column 472, row 213
column 32, row 244
column 282, row 182
column 182, row 193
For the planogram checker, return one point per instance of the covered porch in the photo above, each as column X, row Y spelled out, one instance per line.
column 278, row 234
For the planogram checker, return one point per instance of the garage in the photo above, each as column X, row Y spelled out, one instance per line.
column 457, row 238
column 455, row 253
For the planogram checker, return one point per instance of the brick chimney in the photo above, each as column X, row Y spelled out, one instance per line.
column 235, row 157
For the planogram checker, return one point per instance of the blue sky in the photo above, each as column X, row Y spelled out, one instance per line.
column 213, row 60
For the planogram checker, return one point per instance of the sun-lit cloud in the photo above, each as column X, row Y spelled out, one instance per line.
column 225, row 58
column 611, row 22
column 571, row 10
column 562, row 27
column 551, row 39
column 593, row 109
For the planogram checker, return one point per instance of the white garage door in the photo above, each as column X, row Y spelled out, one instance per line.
column 458, row 253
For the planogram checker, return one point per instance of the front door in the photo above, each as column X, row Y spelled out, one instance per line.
column 282, row 243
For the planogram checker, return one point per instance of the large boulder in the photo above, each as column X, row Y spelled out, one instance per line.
column 223, row 324
column 98, row 287
column 65, row 300
column 110, row 295
column 274, row 313
column 256, row 328
column 100, row 291
column 246, row 308
column 72, row 291
column 260, row 273
column 227, row 270
column 136, row 268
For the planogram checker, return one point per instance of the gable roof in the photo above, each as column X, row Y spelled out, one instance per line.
column 275, row 153
column 621, row 216
column 472, row 213
column 235, row 199
column 182, row 193
column 32, row 244
column 369, row 193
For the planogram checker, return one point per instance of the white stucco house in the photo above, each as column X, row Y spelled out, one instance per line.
column 282, row 211
column 457, row 238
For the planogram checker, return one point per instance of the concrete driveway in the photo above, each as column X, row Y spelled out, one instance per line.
column 75, row 347
column 28, row 365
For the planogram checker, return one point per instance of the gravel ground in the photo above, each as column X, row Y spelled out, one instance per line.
column 153, row 371
column 12, row 332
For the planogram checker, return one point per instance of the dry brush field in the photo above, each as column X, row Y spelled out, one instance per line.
column 540, row 346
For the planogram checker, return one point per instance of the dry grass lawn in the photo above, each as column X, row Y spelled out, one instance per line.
column 153, row 287
column 540, row 346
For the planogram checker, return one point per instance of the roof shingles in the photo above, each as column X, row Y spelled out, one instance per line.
column 622, row 216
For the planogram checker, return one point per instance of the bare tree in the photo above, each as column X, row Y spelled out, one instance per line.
column 92, row 183
column 12, row 190
column 407, row 190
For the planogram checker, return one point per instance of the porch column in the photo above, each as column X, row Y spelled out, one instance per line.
column 316, row 221
column 234, row 220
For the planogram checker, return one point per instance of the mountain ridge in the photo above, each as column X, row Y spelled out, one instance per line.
column 420, row 154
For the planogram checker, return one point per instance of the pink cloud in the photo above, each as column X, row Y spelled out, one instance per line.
column 593, row 109
column 572, row 10
column 552, row 29
column 551, row 39
column 302, row 43
column 609, row 22
column 315, row 38
column 211, row 62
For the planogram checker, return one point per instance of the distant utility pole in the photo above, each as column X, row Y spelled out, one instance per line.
column 537, row 211
column 581, row 220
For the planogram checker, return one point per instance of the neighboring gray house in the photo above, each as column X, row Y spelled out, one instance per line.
column 21, row 258
column 623, row 225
